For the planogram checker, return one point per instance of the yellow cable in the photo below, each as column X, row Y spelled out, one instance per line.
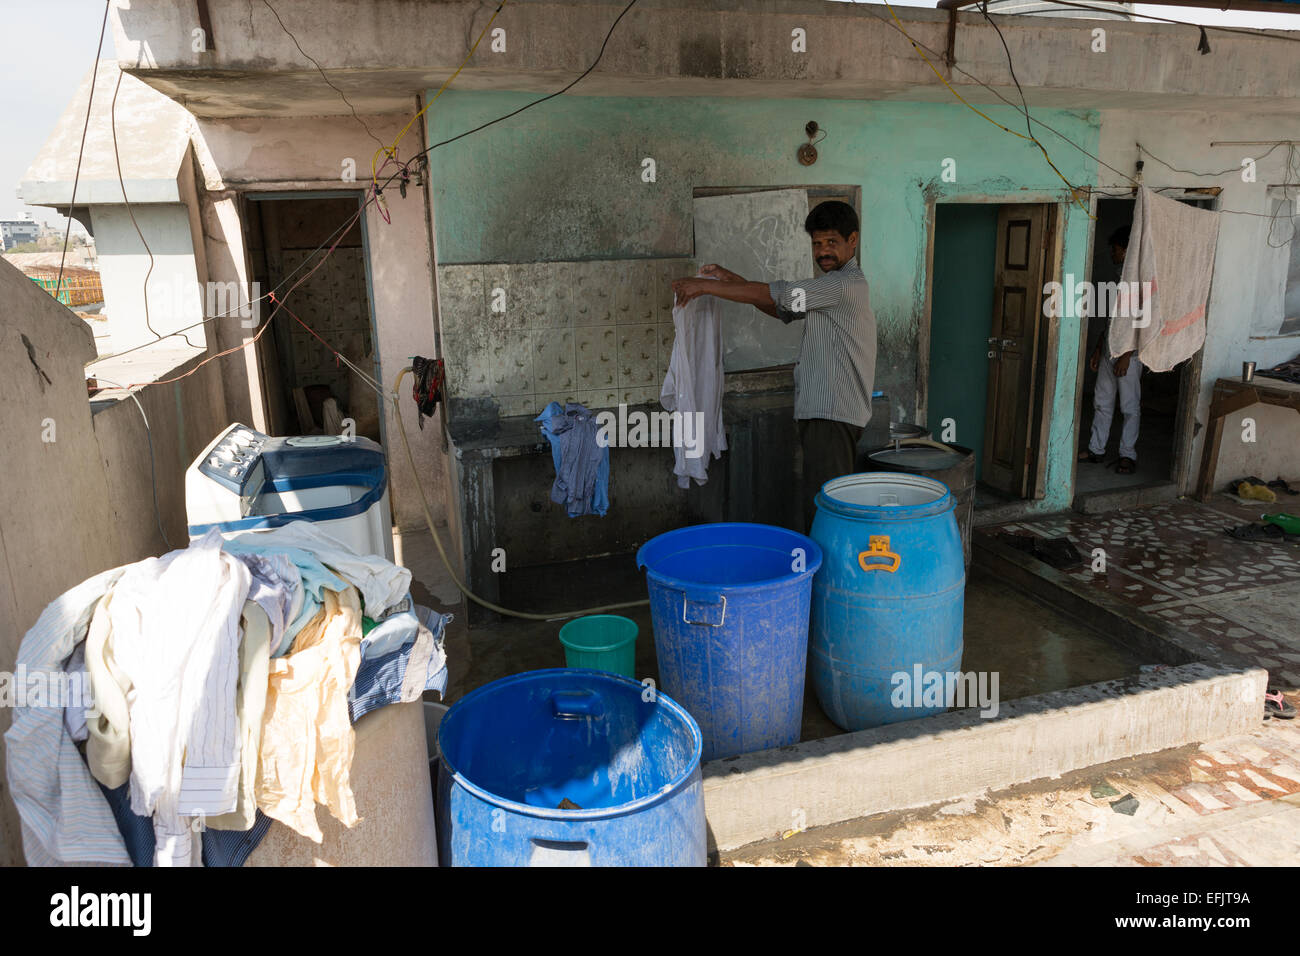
column 428, row 517
column 391, row 151
column 954, row 92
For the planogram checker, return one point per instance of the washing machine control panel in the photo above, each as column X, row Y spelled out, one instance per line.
column 234, row 461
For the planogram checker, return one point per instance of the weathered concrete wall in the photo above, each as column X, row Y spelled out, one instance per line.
column 1245, row 309
column 82, row 502
column 315, row 153
column 378, row 51
column 564, row 181
column 1274, row 451
column 132, row 125
column 175, row 293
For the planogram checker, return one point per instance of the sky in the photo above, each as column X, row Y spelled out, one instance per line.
column 45, row 50
column 47, row 46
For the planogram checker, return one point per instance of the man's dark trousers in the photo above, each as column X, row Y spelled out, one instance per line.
column 829, row 450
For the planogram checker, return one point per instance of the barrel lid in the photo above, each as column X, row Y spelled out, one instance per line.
column 904, row 430
column 887, row 495
column 917, row 458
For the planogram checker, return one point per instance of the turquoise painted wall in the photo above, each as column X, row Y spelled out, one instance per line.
column 961, row 315
column 564, row 181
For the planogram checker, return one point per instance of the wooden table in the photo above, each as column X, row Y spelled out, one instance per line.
column 1232, row 395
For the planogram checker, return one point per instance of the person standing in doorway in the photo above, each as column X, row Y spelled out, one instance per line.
column 1116, row 377
column 837, row 354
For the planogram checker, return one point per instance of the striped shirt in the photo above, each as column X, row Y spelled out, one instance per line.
column 65, row 818
column 837, row 355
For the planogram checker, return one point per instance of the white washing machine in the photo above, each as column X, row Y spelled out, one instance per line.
column 247, row 481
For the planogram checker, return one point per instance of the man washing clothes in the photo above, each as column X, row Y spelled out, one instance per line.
column 1120, row 376
column 837, row 353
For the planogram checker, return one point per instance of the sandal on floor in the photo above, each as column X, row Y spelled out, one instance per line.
column 1089, row 457
column 1256, row 532
column 1276, row 705
column 1126, row 466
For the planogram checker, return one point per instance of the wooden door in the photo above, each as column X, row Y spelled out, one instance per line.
column 1013, row 353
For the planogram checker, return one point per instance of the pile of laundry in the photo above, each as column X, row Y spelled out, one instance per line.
column 207, row 692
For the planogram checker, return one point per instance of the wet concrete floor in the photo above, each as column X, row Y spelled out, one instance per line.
column 1033, row 648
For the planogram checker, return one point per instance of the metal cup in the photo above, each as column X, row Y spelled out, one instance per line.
column 1247, row 371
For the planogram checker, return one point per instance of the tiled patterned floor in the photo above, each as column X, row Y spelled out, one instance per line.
column 1175, row 562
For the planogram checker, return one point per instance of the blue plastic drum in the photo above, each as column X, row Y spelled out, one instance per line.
column 887, row 604
column 569, row 768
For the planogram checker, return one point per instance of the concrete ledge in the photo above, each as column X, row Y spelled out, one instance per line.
column 758, row 796
column 388, row 49
column 1134, row 496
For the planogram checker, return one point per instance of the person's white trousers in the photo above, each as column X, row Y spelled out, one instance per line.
column 1129, row 389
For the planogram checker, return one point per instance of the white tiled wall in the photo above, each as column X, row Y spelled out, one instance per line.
column 599, row 333
column 333, row 301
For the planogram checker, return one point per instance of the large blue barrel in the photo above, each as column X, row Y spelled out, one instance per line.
column 569, row 768
column 888, row 601
column 729, row 603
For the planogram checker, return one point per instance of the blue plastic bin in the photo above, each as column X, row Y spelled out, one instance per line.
column 730, row 603
column 514, row 750
column 888, row 602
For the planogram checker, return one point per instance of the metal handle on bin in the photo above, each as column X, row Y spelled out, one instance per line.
column 572, row 704
column 686, row 599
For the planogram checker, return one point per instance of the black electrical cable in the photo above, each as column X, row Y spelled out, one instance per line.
column 153, row 470
column 1244, row 31
column 341, row 94
column 423, row 153
column 1029, row 126
column 549, row 96
column 112, row 122
column 347, row 224
column 76, row 176
column 1192, row 172
column 1097, row 159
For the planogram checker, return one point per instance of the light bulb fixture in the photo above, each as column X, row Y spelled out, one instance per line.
column 807, row 153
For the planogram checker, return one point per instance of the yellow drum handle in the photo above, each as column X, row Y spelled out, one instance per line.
column 878, row 553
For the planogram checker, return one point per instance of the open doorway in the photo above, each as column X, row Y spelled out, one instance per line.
column 1151, row 432
column 306, row 390
column 990, row 346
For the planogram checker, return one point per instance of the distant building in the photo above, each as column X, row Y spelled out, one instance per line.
column 14, row 232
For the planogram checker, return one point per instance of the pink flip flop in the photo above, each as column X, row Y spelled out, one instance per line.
column 1275, row 705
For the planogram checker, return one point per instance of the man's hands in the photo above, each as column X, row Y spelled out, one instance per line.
column 715, row 271
column 727, row 285
column 690, row 288
column 1121, row 363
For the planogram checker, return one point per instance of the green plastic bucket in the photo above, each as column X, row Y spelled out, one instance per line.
column 602, row 642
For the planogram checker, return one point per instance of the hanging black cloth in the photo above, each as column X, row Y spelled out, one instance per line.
column 430, row 377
